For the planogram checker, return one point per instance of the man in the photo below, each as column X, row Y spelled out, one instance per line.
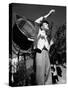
column 42, row 46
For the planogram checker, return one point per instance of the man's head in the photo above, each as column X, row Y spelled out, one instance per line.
column 44, row 24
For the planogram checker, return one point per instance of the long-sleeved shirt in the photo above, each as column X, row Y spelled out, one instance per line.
column 42, row 40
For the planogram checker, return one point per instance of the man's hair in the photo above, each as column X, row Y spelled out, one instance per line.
column 44, row 21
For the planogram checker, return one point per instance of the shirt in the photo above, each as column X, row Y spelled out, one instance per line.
column 42, row 41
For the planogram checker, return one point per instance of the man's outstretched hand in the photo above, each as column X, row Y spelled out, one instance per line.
column 51, row 11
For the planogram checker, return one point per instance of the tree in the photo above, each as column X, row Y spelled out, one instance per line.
column 58, row 50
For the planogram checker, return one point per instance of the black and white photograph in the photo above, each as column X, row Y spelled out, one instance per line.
column 37, row 44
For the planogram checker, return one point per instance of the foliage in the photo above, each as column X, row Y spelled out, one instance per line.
column 58, row 50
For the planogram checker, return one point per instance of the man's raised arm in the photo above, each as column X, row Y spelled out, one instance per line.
column 41, row 18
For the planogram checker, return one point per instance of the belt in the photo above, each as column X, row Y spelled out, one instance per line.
column 44, row 48
column 39, row 51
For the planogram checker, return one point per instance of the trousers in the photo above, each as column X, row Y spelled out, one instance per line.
column 43, row 71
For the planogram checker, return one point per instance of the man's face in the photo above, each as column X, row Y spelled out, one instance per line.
column 45, row 26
